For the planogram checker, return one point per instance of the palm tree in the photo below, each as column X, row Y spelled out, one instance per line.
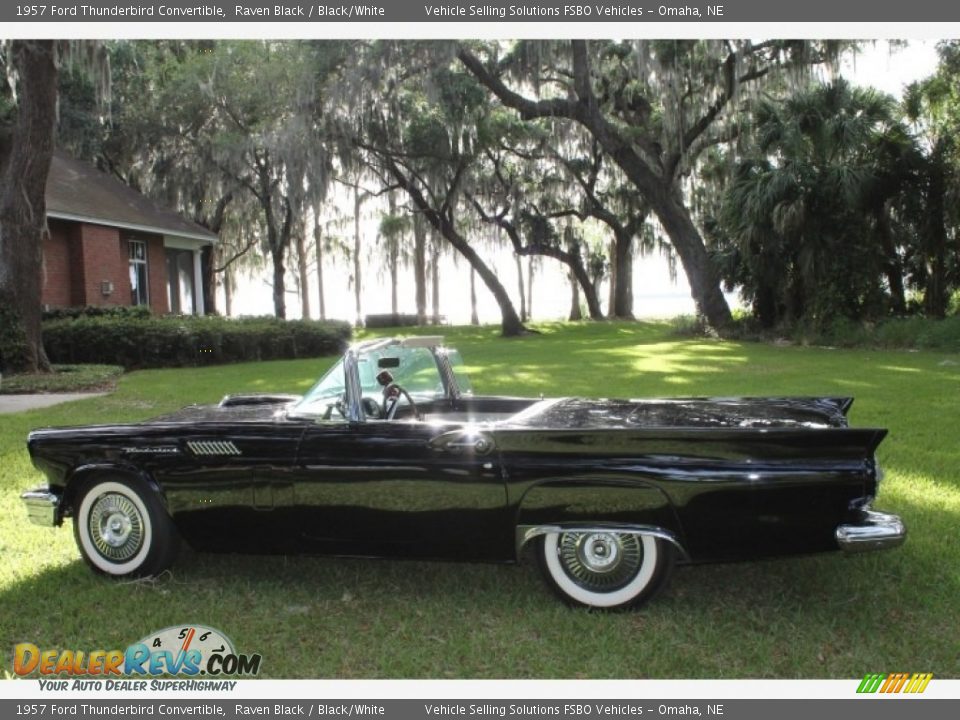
column 798, row 222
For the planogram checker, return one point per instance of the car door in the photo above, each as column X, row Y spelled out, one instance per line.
column 230, row 485
column 392, row 488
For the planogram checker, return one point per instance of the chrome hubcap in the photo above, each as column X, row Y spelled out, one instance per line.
column 600, row 561
column 116, row 527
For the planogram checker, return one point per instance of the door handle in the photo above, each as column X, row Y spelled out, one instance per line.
column 479, row 444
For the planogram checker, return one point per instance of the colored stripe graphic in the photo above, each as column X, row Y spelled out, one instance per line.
column 894, row 683
column 870, row 683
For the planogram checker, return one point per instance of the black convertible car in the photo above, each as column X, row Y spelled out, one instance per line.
column 391, row 454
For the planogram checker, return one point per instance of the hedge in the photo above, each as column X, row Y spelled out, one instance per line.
column 389, row 320
column 136, row 341
column 113, row 311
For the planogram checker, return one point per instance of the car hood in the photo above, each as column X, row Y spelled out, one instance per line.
column 233, row 408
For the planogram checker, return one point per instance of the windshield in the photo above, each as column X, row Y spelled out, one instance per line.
column 328, row 391
column 413, row 368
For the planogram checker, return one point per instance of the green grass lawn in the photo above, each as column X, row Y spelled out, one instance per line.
column 811, row 617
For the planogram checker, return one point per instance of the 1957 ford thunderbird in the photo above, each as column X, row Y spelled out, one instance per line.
column 391, row 454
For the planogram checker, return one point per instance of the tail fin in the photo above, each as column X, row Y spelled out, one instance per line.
column 842, row 403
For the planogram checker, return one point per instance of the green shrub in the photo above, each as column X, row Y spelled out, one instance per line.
column 940, row 335
column 144, row 341
column 390, row 320
column 896, row 333
column 116, row 311
column 687, row 326
column 953, row 307
column 13, row 342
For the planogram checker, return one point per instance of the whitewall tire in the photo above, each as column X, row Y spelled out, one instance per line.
column 605, row 569
column 122, row 528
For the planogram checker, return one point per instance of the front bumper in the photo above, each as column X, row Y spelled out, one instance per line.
column 43, row 507
column 872, row 531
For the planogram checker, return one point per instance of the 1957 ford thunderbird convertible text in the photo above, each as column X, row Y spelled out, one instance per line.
column 392, row 455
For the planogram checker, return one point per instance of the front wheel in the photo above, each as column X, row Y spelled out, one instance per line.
column 122, row 528
column 605, row 569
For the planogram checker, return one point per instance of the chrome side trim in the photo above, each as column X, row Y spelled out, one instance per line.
column 42, row 506
column 526, row 533
column 213, row 447
column 873, row 531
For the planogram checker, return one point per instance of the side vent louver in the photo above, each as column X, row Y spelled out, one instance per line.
column 212, row 447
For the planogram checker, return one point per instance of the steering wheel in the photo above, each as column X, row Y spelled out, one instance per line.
column 371, row 408
column 391, row 399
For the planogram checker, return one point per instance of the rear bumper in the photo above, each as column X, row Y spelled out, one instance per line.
column 42, row 507
column 872, row 531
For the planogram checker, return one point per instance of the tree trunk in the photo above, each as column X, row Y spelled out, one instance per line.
column 23, row 223
column 302, row 272
column 898, row 297
column 612, row 297
column 474, row 317
column 699, row 268
column 575, row 312
column 589, row 291
column 530, row 287
column 935, row 294
column 510, row 321
column 572, row 258
column 621, row 276
column 356, row 254
column 279, row 292
column 278, row 238
column 420, row 267
column 318, row 251
column 228, row 292
column 523, row 296
column 892, row 267
column 393, row 246
column 394, row 279
column 765, row 306
column 211, row 253
column 435, row 275
column 208, row 259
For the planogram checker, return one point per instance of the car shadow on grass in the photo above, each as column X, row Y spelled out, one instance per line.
column 825, row 616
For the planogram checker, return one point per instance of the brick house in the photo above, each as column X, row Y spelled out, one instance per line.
column 110, row 245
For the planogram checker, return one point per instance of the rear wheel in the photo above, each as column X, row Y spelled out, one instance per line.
column 605, row 569
column 122, row 528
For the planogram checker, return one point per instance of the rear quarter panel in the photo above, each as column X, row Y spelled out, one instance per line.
column 726, row 494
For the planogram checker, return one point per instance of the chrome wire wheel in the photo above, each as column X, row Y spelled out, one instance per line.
column 122, row 529
column 116, row 527
column 605, row 569
column 600, row 561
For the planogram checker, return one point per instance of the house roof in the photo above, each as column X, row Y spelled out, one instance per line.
column 78, row 191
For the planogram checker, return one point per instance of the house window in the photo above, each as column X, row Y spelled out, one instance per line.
column 138, row 273
column 181, row 293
